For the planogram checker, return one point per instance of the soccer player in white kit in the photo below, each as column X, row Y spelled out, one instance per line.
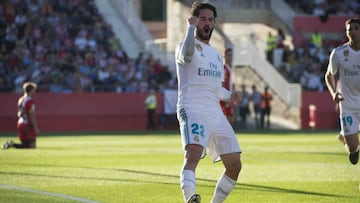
column 345, row 60
column 202, row 123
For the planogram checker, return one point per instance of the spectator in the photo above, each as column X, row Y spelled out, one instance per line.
column 280, row 38
column 244, row 110
column 266, row 98
column 270, row 46
column 256, row 101
column 298, row 39
column 150, row 104
column 311, row 79
column 316, row 40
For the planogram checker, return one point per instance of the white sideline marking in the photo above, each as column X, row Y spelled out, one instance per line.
column 13, row 187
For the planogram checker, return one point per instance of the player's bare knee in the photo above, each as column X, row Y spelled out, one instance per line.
column 233, row 169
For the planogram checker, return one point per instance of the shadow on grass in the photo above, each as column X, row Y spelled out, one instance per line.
column 327, row 153
column 201, row 181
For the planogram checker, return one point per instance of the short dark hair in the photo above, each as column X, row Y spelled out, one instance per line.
column 227, row 50
column 197, row 6
column 29, row 86
column 353, row 20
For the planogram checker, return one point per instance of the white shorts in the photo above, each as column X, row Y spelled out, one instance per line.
column 349, row 122
column 210, row 130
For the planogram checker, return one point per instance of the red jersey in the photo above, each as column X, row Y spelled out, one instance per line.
column 227, row 78
column 25, row 104
column 25, row 129
column 227, row 108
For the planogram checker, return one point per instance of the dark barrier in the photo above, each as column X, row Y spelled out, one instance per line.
column 81, row 112
column 125, row 112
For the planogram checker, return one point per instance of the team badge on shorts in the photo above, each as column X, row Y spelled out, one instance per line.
column 198, row 47
column 196, row 138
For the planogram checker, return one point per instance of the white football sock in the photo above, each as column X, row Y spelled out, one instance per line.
column 188, row 183
column 223, row 188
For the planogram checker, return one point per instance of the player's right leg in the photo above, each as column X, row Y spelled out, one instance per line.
column 349, row 122
column 353, row 147
column 193, row 154
column 195, row 134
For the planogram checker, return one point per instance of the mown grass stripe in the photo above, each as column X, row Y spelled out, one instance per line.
column 13, row 187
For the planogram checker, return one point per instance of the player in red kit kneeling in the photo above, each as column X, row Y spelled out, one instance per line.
column 27, row 124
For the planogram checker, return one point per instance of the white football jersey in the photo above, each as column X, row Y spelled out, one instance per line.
column 200, row 80
column 346, row 61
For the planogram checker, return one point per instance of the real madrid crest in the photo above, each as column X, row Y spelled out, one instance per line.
column 198, row 47
column 346, row 54
column 196, row 138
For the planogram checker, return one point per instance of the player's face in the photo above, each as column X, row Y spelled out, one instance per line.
column 353, row 32
column 205, row 25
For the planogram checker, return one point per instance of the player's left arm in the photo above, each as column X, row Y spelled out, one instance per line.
column 32, row 118
column 187, row 49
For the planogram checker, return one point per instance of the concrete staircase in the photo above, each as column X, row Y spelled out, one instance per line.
column 114, row 17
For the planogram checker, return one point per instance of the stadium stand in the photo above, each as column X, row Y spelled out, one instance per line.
column 66, row 46
column 305, row 62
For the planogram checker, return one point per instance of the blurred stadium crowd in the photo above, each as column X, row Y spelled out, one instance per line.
column 307, row 61
column 325, row 7
column 66, row 46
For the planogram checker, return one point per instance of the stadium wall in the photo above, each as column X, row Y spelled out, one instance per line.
column 82, row 112
column 126, row 112
column 325, row 115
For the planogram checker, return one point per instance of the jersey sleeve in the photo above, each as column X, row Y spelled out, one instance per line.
column 185, row 50
column 333, row 62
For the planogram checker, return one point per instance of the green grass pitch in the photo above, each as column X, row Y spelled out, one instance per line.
column 142, row 167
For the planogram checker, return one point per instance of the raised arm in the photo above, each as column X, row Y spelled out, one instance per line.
column 186, row 52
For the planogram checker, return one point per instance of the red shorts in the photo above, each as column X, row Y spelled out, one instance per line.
column 26, row 132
